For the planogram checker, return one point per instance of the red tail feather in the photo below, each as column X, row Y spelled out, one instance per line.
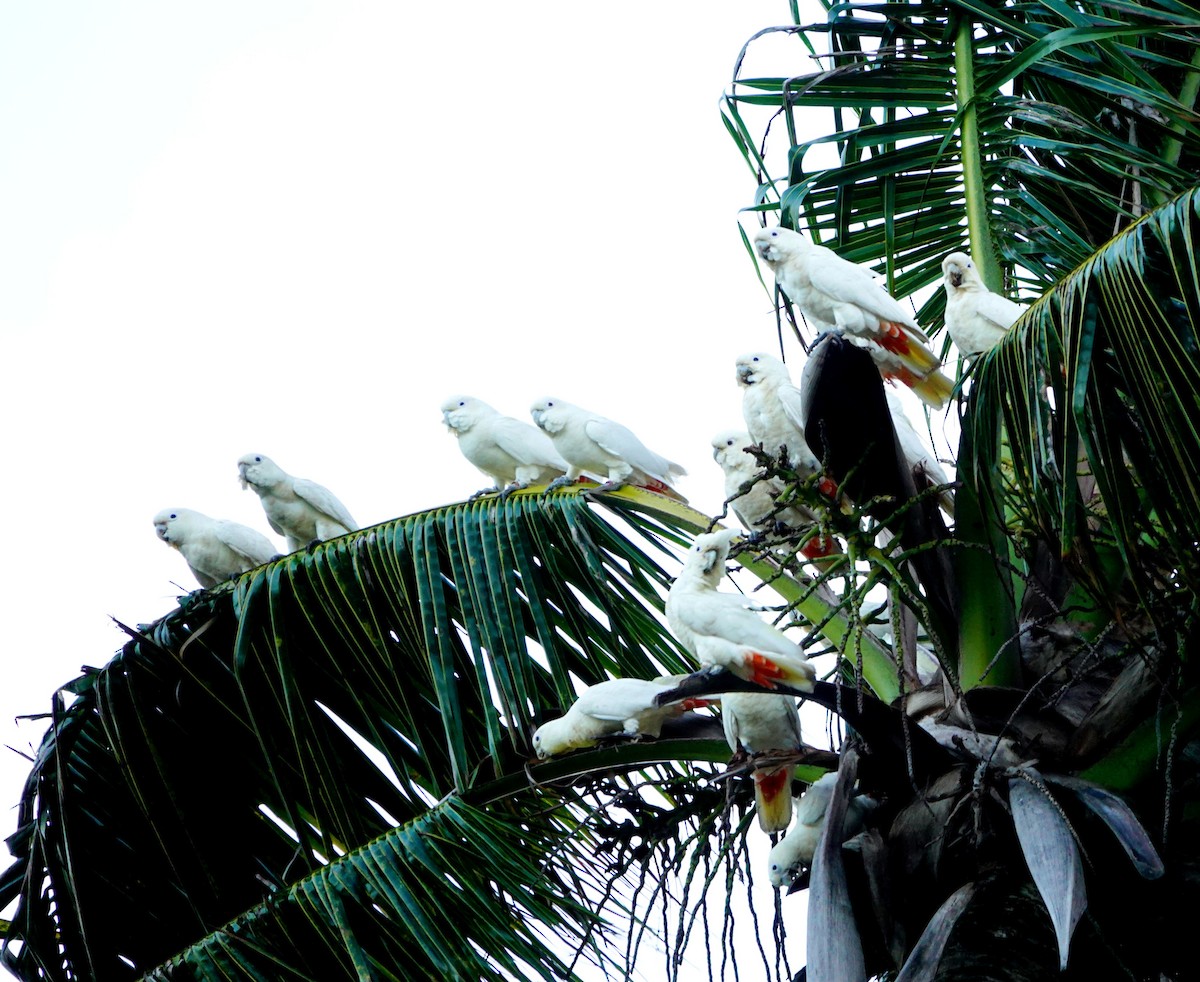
column 771, row 783
column 763, row 671
column 892, row 337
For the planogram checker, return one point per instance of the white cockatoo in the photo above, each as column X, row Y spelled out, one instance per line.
column 598, row 447
column 976, row 317
column 916, row 453
column 796, row 849
column 758, row 722
column 839, row 295
column 773, row 409
column 755, row 507
column 722, row 630
column 215, row 549
column 625, row 706
column 297, row 509
column 513, row 454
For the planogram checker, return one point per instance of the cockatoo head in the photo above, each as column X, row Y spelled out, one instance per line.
column 791, row 854
column 706, row 558
column 550, row 414
column 778, row 244
column 171, row 525
column 958, row 271
column 460, row 413
column 729, row 448
column 552, row 738
column 758, row 366
column 255, row 470
column 796, row 849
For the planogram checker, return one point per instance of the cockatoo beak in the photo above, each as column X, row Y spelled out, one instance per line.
column 956, row 277
column 744, row 373
column 161, row 532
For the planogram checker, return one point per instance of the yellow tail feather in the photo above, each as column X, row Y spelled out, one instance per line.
column 773, row 796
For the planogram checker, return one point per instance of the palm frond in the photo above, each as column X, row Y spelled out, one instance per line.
column 337, row 738
column 1099, row 387
column 375, row 912
column 1079, row 122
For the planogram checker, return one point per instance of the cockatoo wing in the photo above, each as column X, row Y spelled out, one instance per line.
column 722, row 615
column 619, row 699
column 322, row 499
column 526, row 444
column 620, row 441
column 792, row 403
column 999, row 310
column 760, row 722
column 847, row 282
column 911, row 445
column 256, row 548
column 810, row 809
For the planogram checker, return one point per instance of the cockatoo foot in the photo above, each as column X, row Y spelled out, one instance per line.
column 481, row 492
column 558, row 482
column 510, row 488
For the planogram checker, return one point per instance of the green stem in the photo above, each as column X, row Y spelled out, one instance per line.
column 979, row 227
column 986, row 621
column 851, row 640
column 987, row 651
column 1173, row 147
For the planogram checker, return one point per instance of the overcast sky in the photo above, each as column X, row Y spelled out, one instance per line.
column 295, row 228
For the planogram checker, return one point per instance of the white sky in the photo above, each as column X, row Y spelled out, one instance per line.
column 295, row 228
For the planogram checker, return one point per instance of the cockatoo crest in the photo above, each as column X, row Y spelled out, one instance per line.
column 758, row 366
column 550, row 414
column 958, row 269
column 779, row 244
column 729, row 449
column 258, row 471
column 460, row 413
column 708, row 553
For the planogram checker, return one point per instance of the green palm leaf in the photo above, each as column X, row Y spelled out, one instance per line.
column 1100, row 387
column 1054, row 125
column 338, row 743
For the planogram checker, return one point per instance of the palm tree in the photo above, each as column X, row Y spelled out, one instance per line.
column 322, row 770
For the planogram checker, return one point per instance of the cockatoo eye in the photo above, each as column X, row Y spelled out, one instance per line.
column 258, row 460
column 774, row 234
column 173, row 515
